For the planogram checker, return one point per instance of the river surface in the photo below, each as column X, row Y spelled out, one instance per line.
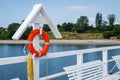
column 49, row 66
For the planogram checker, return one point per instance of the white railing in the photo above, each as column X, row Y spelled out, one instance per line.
column 78, row 53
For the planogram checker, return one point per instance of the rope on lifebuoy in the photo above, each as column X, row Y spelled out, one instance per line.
column 31, row 47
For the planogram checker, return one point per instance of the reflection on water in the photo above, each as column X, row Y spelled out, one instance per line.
column 54, row 65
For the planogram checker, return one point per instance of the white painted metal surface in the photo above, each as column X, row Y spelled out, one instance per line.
column 37, row 16
column 115, row 76
column 15, row 79
column 80, row 58
column 105, row 60
column 36, row 68
column 53, row 76
column 14, row 60
column 38, row 48
column 34, row 17
column 117, row 60
column 87, row 71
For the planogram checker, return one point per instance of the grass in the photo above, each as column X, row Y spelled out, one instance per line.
column 80, row 36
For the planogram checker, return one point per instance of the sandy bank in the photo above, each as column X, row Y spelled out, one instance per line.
column 82, row 42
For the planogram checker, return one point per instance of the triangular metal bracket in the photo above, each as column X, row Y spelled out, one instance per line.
column 37, row 15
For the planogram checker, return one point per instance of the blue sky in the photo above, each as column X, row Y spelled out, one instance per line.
column 59, row 10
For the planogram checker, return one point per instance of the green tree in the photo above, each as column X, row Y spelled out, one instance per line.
column 60, row 28
column 98, row 20
column 104, row 26
column 12, row 29
column 116, row 29
column 46, row 27
column 90, row 29
column 82, row 24
column 26, row 33
column 104, row 23
column 69, row 27
column 111, row 18
column 1, row 30
column 4, row 35
column 74, row 28
column 64, row 25
column 108, row 34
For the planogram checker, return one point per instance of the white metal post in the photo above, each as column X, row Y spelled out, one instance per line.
column 105, row 60
column 35, row 59
column 36, row 67
column 79, row 58
column 36, row 39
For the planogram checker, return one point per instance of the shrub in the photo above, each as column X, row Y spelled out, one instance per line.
column 116, row 29
column 118, row 37
column 108, row 34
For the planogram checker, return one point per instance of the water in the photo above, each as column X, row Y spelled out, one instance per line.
column 54, row 65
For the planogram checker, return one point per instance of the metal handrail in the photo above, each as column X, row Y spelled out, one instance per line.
column 12, row 60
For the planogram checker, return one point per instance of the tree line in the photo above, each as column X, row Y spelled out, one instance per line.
column 7, row 33
column 108, row 28
column 82, row 24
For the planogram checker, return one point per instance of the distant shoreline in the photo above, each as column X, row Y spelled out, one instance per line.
column 79, row 42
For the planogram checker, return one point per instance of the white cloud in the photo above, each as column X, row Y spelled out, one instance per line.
column 92, row 19
column 79, row 8
column 84, row 8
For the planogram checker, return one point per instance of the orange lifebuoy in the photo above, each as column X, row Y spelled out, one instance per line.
column 31, row 47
